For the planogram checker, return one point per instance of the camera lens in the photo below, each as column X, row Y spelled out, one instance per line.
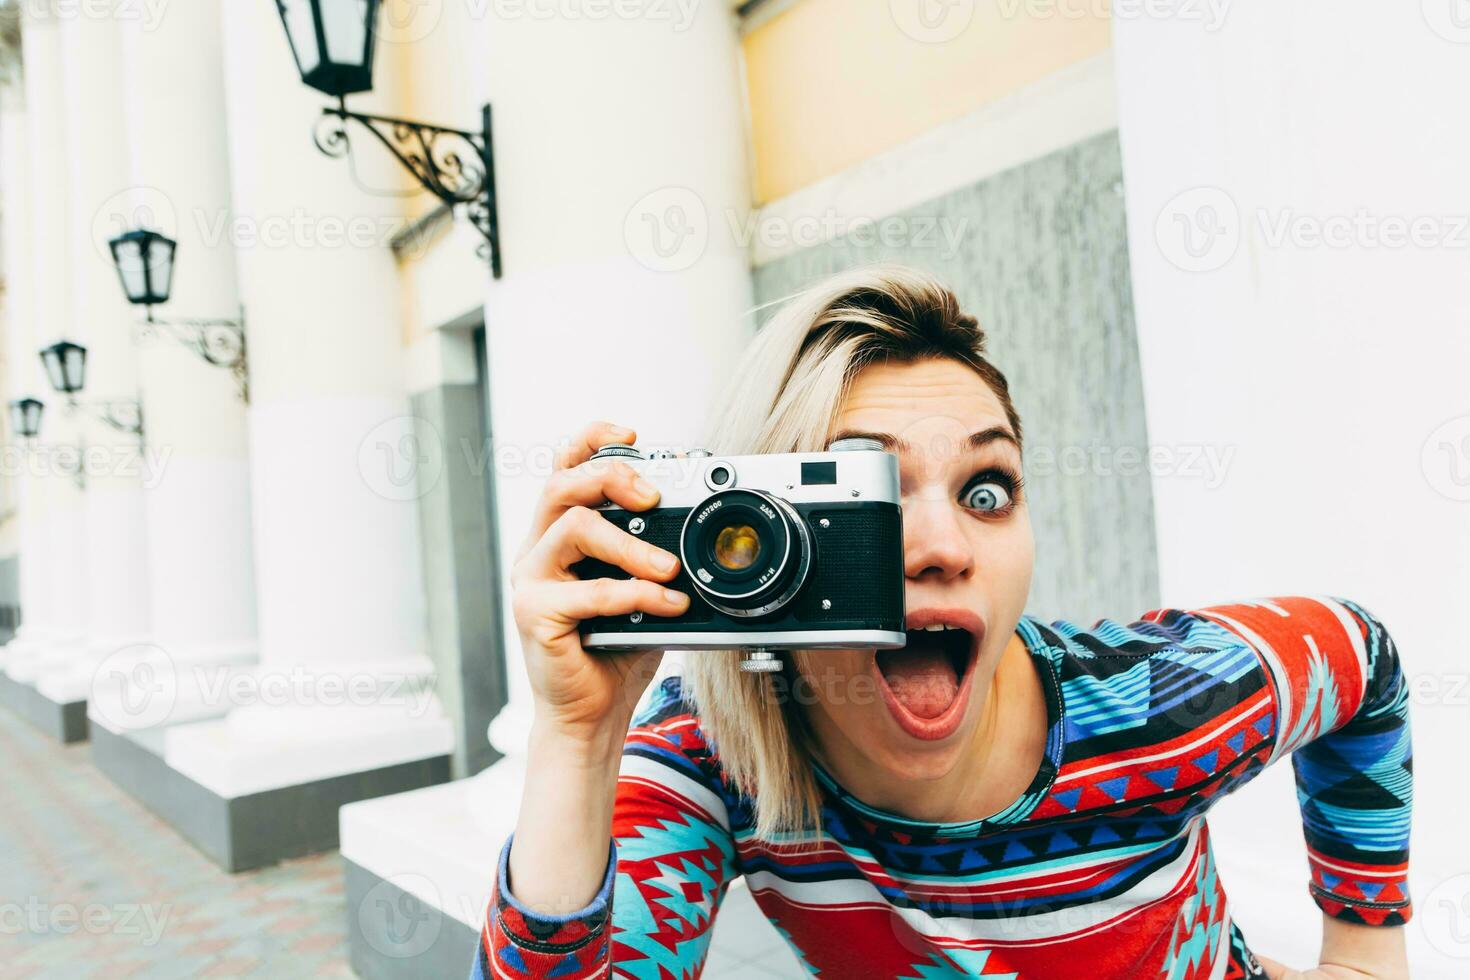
column 747, row 552
column 719, row 476
column 737, row 547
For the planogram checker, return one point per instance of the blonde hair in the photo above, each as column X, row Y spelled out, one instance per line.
column 787, row 392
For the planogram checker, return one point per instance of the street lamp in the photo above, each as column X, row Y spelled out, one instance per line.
column 145, row 267
column 66, row 366
column 66, row 369
column 25, row 417
column 25, row 422
column 145, row 264
column 332, row 42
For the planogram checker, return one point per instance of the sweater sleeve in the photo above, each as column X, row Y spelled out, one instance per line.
column 671, row 858
column 1342, row 711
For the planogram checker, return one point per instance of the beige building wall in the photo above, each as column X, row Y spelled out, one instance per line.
column 829, row 84
column 835, row 82
column 428, row 51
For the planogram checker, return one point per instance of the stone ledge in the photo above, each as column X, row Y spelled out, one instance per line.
column 259, row 829
column 395, row 935
column 65, row 722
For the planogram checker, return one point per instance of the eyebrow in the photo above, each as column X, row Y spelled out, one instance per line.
column 897, row 444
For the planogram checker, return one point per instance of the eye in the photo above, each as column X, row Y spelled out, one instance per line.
column 988, row 493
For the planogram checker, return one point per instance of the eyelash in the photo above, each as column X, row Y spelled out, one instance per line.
column 1012, row 483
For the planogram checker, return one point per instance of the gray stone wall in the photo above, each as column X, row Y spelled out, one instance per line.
column 459, row 577
column 9, row 596
column 1040, row 254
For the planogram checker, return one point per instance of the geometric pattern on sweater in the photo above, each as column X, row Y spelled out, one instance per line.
column 1102, row 867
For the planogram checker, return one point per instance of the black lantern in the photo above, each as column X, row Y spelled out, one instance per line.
column 332, row 41
column 66, row 366
column 25, row 417
column 145, row 264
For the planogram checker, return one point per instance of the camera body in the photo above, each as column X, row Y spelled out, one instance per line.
column 777, row 551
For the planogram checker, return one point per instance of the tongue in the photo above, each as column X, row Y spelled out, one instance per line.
column 923, row 681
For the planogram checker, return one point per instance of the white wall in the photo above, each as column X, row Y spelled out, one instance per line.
column 1328, row 369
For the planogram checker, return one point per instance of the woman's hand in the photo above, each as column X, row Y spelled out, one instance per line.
column 583, row 701
column 1278, row 971
column 1351, row 951
column 581, row 695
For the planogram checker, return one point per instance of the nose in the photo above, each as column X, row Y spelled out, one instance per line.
column 934, row 543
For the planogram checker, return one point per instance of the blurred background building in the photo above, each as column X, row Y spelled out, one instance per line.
column 1219, row 249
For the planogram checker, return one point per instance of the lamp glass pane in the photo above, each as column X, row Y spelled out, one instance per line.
column 345, row 26
column 51, row 361
column 160, row 268
column 129, row 257
column 31, row 411
column 301, row 30
column 76, row 368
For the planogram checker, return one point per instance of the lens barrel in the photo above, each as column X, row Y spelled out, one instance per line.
column 747, row 552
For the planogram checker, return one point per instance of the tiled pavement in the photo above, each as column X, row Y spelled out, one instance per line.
column 93, row 885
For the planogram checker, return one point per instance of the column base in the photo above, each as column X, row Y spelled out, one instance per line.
column 255, row 829
column 27, row 658
column 65, row 721
column 67, row 673
column 144, row 688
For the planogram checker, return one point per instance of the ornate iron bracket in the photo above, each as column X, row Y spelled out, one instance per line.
column 71, row 466
column 124, row 416
column 456, row 166
column 218, row 342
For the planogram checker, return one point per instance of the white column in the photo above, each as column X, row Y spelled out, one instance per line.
column 594, row 318
column 341, row 610
column 623, row 281
column 1298, row 242
column 116, row 537
column 63, row 516
column 23, row 379
column 200, row 564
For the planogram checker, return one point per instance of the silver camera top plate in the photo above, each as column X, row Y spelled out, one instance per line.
column 853, row 475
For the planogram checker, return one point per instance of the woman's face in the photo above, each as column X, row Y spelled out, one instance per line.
column 968, row 553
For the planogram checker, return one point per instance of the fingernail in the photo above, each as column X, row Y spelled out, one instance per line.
column 664, row 561
column 676, row 597
column 619, row 430
column 644, row 488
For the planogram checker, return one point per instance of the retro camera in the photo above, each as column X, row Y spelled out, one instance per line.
column 777, row 552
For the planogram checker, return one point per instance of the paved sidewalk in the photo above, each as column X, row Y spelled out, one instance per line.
column 93, row 885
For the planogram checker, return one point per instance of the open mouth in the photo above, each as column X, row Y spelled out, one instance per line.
column 927, row 683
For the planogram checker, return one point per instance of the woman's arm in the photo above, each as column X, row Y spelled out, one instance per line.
column 561, row 854
column 1343, row 713
column 671, row 858
column 1355, row 785
column 551, row 912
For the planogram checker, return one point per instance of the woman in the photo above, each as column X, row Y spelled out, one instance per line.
column 1001, row 797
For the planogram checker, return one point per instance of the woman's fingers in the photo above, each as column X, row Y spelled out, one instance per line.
column 561, row 605
column 582, row 533
column 588, row 485
column 592, row 438
column 1274, row 970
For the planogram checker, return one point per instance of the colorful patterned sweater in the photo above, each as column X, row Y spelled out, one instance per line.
column 1102, row 868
